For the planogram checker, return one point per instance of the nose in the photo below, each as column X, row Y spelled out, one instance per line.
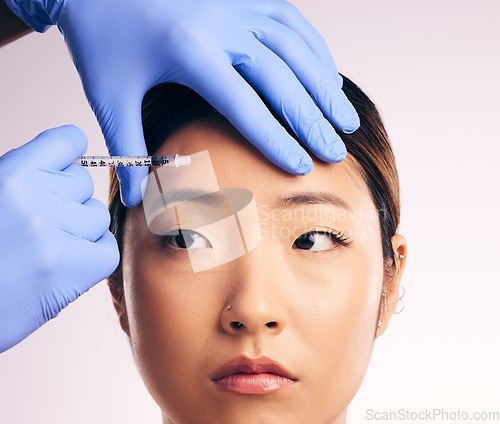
column 256, row 300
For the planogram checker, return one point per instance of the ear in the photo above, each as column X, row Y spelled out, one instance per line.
column 119, row 304
column 391, row 283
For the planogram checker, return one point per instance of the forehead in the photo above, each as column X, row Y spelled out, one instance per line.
column 237, row 163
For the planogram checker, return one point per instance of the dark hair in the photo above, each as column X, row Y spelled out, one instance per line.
column 167, row 108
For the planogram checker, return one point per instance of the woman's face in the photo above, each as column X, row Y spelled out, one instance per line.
column 309, row 303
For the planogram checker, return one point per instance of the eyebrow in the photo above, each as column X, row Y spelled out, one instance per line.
column 305, row 198
column 294, row 200
column 200, row 196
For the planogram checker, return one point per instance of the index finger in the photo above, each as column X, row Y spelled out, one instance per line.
column 54, row 149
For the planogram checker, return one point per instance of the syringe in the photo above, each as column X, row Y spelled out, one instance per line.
column 98, row 161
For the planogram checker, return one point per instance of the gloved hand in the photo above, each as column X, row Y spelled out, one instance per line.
column 54, row 238
column 219, row 48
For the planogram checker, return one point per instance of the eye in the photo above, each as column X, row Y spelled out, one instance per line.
column 320, row 240
column 183, row 240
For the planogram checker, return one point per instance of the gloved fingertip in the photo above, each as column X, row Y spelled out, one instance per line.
column 352, row 126
column 75, row 135
column 112, row 251
column 303, row 165
column 343, row 114
column 130, row 185
column 337, row 151
column 128, row 197
column 339, row 157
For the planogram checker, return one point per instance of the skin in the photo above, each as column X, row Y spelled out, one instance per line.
column 324, row 304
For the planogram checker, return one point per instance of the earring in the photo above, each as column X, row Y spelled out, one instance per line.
column 379, row 324
column 401, row 300
column 401, row 256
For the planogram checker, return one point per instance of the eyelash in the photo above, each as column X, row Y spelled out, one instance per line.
column 339, row 238
column 180, row 231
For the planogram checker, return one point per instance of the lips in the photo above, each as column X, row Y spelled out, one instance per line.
column 247, row 376
column 245, row 365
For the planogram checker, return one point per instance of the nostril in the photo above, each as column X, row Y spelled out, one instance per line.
column 272, row 324
column 236, row 324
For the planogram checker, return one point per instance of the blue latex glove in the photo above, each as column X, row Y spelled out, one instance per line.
column 219, row 48
column 54, row 238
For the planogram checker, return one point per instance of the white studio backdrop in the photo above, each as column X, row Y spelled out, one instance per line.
column 432, row 68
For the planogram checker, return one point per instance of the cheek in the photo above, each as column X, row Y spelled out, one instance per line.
column 341, row 305
column 168, row 323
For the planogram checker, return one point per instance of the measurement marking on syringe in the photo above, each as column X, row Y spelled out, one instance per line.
column 99, row 161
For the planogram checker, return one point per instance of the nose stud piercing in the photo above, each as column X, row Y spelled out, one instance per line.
column 229, row 308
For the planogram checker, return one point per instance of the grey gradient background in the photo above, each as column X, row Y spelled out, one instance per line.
column 432, row 68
